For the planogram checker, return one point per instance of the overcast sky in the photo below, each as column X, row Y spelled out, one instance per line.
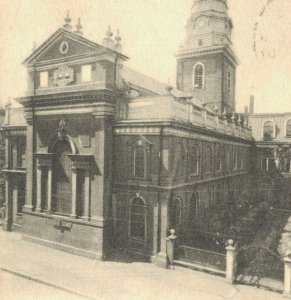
column 152, row 31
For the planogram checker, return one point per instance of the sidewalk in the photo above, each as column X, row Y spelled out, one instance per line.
column 111, row 280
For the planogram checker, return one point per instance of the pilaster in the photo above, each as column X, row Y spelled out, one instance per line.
column 103, row 114
column 162, row 260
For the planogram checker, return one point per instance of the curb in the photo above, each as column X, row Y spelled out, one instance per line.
column 28, row 277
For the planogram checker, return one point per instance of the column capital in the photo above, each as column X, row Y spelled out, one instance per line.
column 29, row 116
column 104, row 110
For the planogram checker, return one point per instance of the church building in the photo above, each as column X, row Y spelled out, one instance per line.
column 101, row 158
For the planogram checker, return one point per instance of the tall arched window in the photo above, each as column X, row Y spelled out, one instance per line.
column 208, row 160
column 228, row 79
column 235, row 158
column 178, row 160
column 269, row 130
column 137, row 219
column 218, row 158
column 198, row 76
column 227, row 159
column 288, row 128
column 194, row 161
column 139, row 150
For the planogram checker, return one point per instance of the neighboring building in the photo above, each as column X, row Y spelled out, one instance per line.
column 272, row 133
column 114, row 158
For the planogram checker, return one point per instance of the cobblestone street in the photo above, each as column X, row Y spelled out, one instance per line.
column 54, row 274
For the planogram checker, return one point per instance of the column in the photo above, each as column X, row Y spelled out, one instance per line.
column 161, row 260
column 74, row 193
column 28, row 206
column 287, row 276
column 155, row 230
column 49, row 189
column 7, row 223
column 38, row 191
column 7, row 151
column 86, row 214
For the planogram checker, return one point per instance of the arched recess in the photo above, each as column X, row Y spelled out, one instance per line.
column 62, row 178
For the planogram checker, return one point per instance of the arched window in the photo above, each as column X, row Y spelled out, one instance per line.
column 198, row 76
column 235, row 158
column 175, row 212
column 218, row 158
column 194, row 161
column 227, row 159
column 137, row 219
column 288, row 128
column 139, row 158
column 208, row 160
column 228, row 79
column 269, row 130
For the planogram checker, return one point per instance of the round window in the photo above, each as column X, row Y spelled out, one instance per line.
column 64, row 47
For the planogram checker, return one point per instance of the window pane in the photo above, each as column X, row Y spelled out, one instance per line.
column 288, row 128
column 198, row 76
column 86, row 73
column 43, row 79
column 139, row 162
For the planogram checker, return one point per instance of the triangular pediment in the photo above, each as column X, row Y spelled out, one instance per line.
column 63, row 45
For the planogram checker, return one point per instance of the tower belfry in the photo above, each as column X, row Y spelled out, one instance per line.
column 206, row 64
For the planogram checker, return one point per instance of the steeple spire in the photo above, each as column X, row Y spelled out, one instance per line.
column 68, row 21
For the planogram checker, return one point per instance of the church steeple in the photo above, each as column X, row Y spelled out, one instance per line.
column 209, row 24
column 207, row 64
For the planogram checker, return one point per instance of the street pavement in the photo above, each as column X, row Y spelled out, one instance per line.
column 52, row 274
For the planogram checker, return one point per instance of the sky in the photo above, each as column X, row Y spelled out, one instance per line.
column 151, row 32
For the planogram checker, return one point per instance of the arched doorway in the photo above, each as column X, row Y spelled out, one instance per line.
column 62, row 178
